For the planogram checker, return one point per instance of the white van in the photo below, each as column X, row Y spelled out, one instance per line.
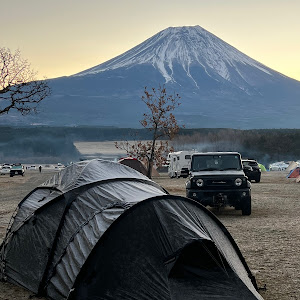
column 179, row 163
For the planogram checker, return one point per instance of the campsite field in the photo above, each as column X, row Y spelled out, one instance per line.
column 269, row 239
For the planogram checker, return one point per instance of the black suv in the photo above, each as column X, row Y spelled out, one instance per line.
column 217, row 180
column 251, row 169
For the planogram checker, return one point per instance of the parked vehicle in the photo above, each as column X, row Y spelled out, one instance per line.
column 217, row 180
column 33, row 167
column 251, row 169
column 179, row 163
column 279, row 166
column 59, row 166
column 5, row 170
column 6, row 165
column 17, row 169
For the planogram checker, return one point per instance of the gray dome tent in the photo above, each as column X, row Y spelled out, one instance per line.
column 101, row 230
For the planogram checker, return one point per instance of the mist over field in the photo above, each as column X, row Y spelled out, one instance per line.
column 65, row 144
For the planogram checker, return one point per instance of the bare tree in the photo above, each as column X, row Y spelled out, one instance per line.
column 19, row 90
column 160, row 121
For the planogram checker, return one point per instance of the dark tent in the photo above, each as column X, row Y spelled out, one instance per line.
column 134, row 163
column 101, row 230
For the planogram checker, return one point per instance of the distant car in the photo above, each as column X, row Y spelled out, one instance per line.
column 278, row 167
column 59, row 167
column 31, row 167
column 17, row 169
column 275, row 168
column 251, row 169
column 5, row 170
column 5, row 165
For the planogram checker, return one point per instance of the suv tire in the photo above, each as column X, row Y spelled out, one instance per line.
column 246, row 207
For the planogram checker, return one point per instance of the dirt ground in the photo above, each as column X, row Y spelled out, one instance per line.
column 269, row 239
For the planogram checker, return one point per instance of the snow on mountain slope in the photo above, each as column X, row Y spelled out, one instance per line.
column 219, row 87
column 186, row 46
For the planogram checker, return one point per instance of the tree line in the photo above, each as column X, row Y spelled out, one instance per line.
column 265, row 145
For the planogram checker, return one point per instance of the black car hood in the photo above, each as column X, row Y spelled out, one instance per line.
column 219, row 173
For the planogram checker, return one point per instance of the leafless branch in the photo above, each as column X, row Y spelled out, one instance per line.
column 158, row 120
column 19, row 89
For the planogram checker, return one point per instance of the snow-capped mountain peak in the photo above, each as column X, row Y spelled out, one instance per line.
column 186, row 46
column 219, row 87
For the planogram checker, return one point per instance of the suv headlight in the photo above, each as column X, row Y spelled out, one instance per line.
column 238, row 182
column 200, row 182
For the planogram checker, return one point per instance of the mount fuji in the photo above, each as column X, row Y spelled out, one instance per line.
column 219, row 87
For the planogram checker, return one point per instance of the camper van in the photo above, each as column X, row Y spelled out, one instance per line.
column 179, row 163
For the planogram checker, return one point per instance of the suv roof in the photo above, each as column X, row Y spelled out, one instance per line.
column 250, row 160
column 216, row 153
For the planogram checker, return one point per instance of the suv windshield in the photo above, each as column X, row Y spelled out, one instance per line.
column 17, row 167
column 216, row 162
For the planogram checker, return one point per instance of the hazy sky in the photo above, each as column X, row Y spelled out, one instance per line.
column 63, row 37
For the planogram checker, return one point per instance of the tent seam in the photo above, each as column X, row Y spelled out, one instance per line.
column 71, row 239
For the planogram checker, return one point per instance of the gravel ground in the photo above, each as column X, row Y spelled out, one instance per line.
column 269, row 239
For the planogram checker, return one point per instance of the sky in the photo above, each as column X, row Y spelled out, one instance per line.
column 64, row 37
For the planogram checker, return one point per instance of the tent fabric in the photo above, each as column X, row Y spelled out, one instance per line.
column 262, row 167
column 158, row 242
column 294, row 173
column 134, row 163
column 154, row 171
column 291, row 166
column 101, row 230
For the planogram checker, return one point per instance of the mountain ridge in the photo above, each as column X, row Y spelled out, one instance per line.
column 219, row 86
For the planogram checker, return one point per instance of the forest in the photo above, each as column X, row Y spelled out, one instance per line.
column 52, row 144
